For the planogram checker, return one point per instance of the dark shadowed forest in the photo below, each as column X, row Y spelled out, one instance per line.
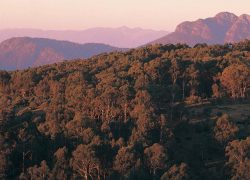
column 157, row 112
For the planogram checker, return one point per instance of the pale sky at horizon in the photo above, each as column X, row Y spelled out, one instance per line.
column 82, row 14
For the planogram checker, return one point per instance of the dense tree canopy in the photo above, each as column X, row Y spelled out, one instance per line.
column 126, row 115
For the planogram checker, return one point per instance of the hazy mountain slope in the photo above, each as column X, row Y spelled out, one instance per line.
column 20, row 53
column 118, row 37
column 240, row 29
column 224, row 27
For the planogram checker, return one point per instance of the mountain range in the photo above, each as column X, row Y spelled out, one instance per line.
column 24, row 52
column 43, row 47
column 122, row 37
column 223, row 28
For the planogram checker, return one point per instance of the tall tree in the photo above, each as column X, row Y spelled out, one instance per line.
column 224, row 129
column 60, row 169
column 238, row 154
column 236, row 79
column 37, row 172
column 156, row 158
column 125, row 160
column 84, row 162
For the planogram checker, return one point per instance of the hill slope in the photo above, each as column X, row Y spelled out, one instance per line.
column 126, row 112
column 119, row 37
column 20, row 53
column 224, row 27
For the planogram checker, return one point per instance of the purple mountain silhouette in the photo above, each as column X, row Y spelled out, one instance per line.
column 123, row 37
column 224, row 27
column 21, row 53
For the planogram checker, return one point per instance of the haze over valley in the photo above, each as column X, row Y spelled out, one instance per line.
column 24, row 52
column 122, row 37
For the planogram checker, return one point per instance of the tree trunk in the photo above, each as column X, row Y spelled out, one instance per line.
column 183, row 90
column 154, row 172
column 98, row 170
column 23, row 162
column 86, row 177
column 125, row 113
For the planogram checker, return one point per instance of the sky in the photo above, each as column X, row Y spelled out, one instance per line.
column 83, row 14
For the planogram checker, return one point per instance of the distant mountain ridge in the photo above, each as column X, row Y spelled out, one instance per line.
column 123, row 37
column 224, row 27
column 21, row 53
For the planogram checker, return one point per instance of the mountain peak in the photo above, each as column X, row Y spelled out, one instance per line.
column 244, row 17
column 226, row 15
column 223, row 27
column 124, row 27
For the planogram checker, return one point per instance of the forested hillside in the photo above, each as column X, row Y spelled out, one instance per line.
column 157, row 112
